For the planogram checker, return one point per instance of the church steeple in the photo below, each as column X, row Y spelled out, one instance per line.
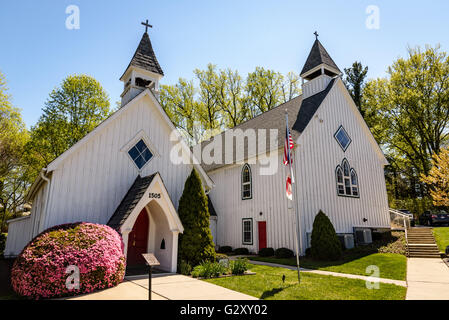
column 143, row 71
column 318, row 70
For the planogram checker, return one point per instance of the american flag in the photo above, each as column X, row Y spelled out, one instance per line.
column 288, row 145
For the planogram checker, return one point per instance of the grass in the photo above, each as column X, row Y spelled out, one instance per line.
column 442, row 237
column 391, row 265
column 387, row 253
column 267, row 284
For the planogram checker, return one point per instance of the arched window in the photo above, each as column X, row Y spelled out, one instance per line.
column 354, row 183
column 340, row 183
column 347, row 181
column 247, row 189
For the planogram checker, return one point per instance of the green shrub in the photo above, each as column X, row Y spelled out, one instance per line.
column 195, row 243
column 325, row 244
column 308, row 252
column 239, row 266
column 209, row 269
column 2, row 242
column 284, row 253
column 223, row 260
column 241, row 251
column 224, row 249
column 266, row 252
column 184, row 268
column 220, row 256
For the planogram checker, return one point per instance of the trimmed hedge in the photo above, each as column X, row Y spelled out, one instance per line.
column 284, row 253
column 325, row 244
column 224, row 249
column 266, row 252
column 241, row 251
column 41, row 270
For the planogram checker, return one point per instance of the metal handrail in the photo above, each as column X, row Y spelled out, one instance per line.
column 403, row 215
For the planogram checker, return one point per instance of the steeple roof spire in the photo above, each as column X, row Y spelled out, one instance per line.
column 317, row 56
column 144, row 56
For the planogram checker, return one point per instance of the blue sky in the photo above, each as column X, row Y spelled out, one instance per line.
column 37, row 51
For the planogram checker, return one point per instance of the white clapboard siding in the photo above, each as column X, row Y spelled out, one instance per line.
column 22, row 230
column 19, row 234
column 90, row 183
column 317, row 155
column 268, row 198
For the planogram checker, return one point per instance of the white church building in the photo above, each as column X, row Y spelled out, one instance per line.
column 122, row 173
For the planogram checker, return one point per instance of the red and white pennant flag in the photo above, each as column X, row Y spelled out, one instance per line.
column 289, row 189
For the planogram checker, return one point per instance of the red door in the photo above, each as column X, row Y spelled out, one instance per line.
column 262, row 227
column 138, row 240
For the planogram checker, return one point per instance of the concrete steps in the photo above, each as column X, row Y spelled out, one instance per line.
column 421, row 243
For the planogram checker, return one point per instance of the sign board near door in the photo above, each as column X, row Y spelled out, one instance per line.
column 150, row 259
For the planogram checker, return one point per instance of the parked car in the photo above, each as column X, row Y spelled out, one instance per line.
column 412, row 217
column 432, row 218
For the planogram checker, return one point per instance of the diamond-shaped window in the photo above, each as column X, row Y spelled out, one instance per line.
column 342, row 138
column 140, row 154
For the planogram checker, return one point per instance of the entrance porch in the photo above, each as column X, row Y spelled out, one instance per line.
column 148, row 222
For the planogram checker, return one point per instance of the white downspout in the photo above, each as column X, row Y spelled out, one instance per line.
column 44, row 212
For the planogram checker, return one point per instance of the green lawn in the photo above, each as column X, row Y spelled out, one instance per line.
column 391, row 265
column 267, row 284
column 442, row 237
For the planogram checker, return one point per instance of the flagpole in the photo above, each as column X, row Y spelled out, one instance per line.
column 293, row 199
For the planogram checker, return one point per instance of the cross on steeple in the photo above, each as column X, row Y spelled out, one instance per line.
column 315, row 33
column 146, row 24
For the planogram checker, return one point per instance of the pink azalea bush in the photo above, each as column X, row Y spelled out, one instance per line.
column 97, row 250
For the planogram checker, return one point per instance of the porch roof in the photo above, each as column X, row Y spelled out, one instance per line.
column 130, row 201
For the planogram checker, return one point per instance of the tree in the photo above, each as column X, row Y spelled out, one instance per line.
column 264, row 90
column 325, row 244
column 291, row 87
column 355, row 82
column 223, row 99
column 14, row 178
column 408, row 111
column 230, row 98
column 208, row 108
column 438, row 179
column 179, row 103
column 195, row 243
column 71, row 111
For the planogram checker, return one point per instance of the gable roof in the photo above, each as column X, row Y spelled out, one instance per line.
column 318, row 55
column 308, row 108
column 300, row 112
column 147, row 92
column 144, row 57
column 271, row 119
column 130, row 201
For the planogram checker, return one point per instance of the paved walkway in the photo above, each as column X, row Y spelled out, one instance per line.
column 335, row 274
column 428, row 279
column 165, row 287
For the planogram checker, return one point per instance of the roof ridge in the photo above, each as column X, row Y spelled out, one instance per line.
column 260, row 114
